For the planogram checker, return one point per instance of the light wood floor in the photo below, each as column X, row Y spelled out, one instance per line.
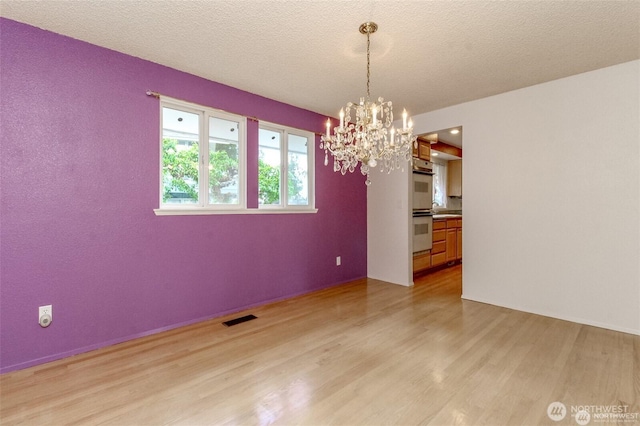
column 362, row 353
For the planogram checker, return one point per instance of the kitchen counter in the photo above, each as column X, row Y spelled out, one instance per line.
column 446, row 215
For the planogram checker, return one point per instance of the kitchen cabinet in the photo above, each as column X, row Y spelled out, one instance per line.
column 422, row 261
column 452, row 244
column 439, row 249
column 424, row 150
column 454, row 178
column 452, row 239
column 446, row 247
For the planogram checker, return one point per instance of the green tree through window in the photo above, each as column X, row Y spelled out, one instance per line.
column 269, row 182
column 180, row 171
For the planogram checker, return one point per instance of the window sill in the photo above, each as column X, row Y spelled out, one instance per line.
column 192, row 212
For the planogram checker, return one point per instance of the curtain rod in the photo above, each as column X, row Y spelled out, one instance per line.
column 252, row 118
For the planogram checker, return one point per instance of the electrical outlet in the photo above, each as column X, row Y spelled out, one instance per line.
column 45, row 310
column 338, row 261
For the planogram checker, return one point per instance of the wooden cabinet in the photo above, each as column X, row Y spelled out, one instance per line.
column 439, row 224
column 438, row 259
column 452, row 245
column 422, row 261
column 454, row 178
column 439, row 253
column 452, row 239
column 439, row 249
column 446, row 247
column 439, row 235
column 424, row 150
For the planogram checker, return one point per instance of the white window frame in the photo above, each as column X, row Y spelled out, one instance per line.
column 284, row 205
column 203, row 206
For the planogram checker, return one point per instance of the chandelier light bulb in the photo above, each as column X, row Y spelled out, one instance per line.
column 368, row 137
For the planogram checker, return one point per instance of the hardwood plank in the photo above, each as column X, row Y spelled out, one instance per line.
column 366, row 352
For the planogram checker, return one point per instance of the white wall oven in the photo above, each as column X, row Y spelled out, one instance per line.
column 422, row 186
column 422, row 233
column 422, row 191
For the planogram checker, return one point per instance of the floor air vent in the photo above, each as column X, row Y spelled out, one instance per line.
column 239, row 320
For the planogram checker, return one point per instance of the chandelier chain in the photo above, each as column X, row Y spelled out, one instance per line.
column 368, row 66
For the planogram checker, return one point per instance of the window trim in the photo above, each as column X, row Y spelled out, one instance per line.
column 249, row 211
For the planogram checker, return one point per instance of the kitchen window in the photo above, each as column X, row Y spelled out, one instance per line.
column 439, row 185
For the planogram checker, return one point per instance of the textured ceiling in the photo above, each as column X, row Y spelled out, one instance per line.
column 426, row 54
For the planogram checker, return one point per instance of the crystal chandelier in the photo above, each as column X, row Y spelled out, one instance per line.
column 371, row 138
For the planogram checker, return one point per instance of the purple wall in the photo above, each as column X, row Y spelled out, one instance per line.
column 79, row 168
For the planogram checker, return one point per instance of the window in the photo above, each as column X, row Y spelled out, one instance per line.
column 203, row 164
column 202, row 158
column 285, row 167
column 439, row 185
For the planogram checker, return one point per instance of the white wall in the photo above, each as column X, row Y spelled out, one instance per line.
column 551, row 178
column 389, row 248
